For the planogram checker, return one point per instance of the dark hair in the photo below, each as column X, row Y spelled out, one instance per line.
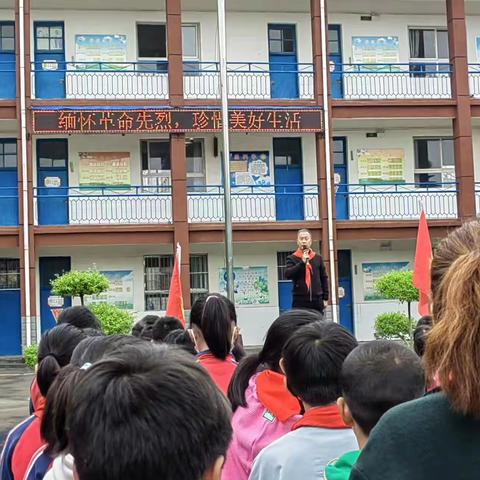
column 378, row 375
column 88, row 350
column 80, row 317
column 424, row 325
column 148, row 323
column 146, row 400
column 163, row 326
column 269, row 356
column 212, row 317
column 138, row 327
column 182, row 339
column 54, row 352
column 313, row 358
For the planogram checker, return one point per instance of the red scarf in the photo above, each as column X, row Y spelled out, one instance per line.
column 321, row 417
column 308, row 267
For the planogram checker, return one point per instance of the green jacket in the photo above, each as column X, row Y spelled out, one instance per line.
column 340, row 468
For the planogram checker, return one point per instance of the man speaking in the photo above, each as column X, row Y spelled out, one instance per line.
column 308, row 274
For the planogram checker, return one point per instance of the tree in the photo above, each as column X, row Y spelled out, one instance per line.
column 114, row 321
column 79, row 284
column 394, row 326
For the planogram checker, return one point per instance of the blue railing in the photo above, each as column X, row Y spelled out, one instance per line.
column 396, row 201
column 415, row 80
column 8, row 206
column 254, row 203
column 100, row 80
column 103, row 205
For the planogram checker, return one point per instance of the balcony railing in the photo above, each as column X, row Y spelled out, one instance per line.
column 259, row 81
column 8, row 206
column 254, row 204
column 474, row 79
column 100, row 80
column 103, row 205
column 391, row 81
column 396, row 201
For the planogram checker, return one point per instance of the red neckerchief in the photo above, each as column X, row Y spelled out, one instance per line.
column 308, row 267
column 321, row 417
column 274, row 396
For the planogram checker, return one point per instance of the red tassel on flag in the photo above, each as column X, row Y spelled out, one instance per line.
column 421, row 270
column 175, row 297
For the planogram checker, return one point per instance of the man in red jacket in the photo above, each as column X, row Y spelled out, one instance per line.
column 308, row 274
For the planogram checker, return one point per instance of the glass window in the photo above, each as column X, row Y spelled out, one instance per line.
column 282, row 39
column 8, row 154
column 429, row 44
column 9, row 273
column 448, row 156
column 275, row 46
column 152, row 41
column 442, row 44
column 49, row 38
column 434, row 161
column 195, row 162
column 281, row 265
column 198, row 277
column 190, row 41
column 7, row 38
column 155, row 155
column 52, row 153
column 42, row 32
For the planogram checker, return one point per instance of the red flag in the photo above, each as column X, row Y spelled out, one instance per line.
column 421, row 270
column 175, row 297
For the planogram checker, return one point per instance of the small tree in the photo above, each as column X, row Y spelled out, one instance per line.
column 394, row 326
column 30, row 356
column 113, row 319
column 79, row 284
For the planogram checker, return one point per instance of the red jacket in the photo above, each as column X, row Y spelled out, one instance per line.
column 221, row 371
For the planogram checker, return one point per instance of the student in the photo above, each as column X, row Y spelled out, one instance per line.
column 424, row 325
column 182, row 415
column 438, row 436
column 80, row 317
column 376, row 377
column 312, row 361
column 264, row 410
column 163, row 326
column 182, row 339
column 214, row 336
column 54, row 352
column 148, row 323
column 138, row 327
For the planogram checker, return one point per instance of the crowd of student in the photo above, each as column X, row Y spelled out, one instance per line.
column 174, row 404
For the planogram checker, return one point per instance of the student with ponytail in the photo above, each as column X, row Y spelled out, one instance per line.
column 438, row 436
column 264, row 410
column 214, row 334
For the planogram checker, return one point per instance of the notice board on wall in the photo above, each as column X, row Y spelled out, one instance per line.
column 376, row 51
column 98, row 169
column 250, row 168
column 250, row 285
column 372, row 272
column 97, row 49
column 381, row 165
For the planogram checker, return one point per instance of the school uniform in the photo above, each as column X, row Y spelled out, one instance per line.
column 39, row 465
column 304, row 452
column 220, row 370
column 270, row 413
column 341, row 468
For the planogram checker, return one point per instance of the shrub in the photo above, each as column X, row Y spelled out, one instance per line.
column 30, row 355
column 394, row 326
column 79, row 284
column 113, row 319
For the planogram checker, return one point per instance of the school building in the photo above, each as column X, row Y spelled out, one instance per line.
column 110, row 147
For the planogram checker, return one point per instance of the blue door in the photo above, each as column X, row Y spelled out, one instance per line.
column 282, row 47
column 336, row 60
column 8, row 79
column 345, row 289
column 52, row 181
column 8, row 183
column 287, row 154
column 50, row 267
column 284, row 285
column 10, row 319
column 49, row 60
column 341, row 177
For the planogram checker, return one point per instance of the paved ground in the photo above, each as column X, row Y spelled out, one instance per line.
column 14, row 395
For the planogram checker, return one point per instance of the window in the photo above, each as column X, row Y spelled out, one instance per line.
column 152, row 46
column 7, row 37
column 282, row 265
column 281, row 39
column 9, row 273
column 434, row 161
column 52, row 153
column 49, row 38
column 158, row 273
column 334, row 41
column 429, row 44
column 195, row 163
column 8, row 154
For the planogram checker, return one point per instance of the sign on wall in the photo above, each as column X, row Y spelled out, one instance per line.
column 101, row 48
column 250, row 168
column 175, row 121
column 372, row 272
column 381, row 165
column 375, row 50
column 250, row 285
column 120, row 292
column 98, row 169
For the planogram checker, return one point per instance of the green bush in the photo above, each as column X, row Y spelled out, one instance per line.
column 30, row 355
column 398, row 286
column 113, row 319
column 394, row 326
column 79, row 284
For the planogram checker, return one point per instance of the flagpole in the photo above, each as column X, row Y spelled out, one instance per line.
column 222, row 40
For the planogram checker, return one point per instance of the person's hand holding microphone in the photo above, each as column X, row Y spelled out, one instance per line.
column 306, row 254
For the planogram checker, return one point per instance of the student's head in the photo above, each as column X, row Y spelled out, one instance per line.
column 143, row 401
column 54, row 351
column 148, row 323
column 304, row 238
column 312, row 361
column 80, row 317
column 138, row 327
column 424, row 325
column 212, row 326
column 269, row 356
column 376, row 376
column 182, row 339
column 452, row 352
column 163, row 326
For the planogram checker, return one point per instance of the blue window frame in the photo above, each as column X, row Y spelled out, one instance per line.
column 7, row 37
column 8, row 154
column 49, row 37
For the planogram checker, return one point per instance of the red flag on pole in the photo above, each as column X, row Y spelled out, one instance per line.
column 421, row 270
column 175, row 297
